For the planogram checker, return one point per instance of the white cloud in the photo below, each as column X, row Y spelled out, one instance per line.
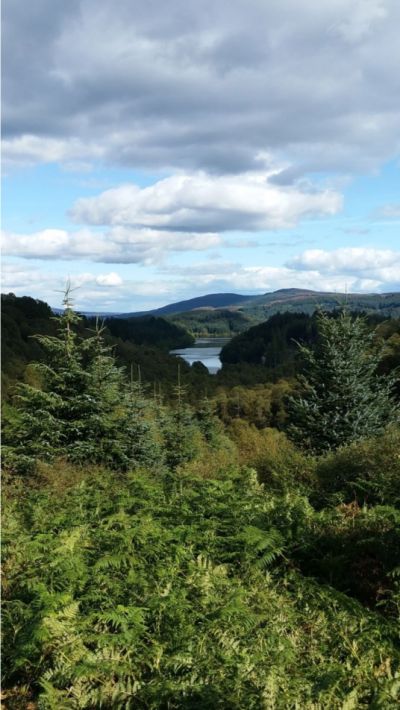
column 93, row 292
column 361, row 270
column 261, row 279
column 354, row 270
column 199, row 202
column 111, row 279
column 19, row 276
column 357, row 268
column 376, row 264
column 120, row 245
column 177, row 214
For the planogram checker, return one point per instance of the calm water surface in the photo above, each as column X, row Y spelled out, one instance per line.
column 205, row 350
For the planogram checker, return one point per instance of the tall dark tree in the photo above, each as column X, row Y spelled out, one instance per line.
column 342, row 397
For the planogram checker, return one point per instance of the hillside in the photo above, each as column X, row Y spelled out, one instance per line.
column 229, row 321
column 211, row 300
column 227, row 314
column 304, row 301
column 215, row 323
column 272, row 347
column 143, row 342
column 150, row 330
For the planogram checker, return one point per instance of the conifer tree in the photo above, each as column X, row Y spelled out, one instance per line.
column 342, row 397
column 208, row 422
column 76, row 410
column 101, row 437
column 180, row 432
column 143, row 445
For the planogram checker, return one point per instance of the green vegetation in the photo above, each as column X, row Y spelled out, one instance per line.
column 302, row 301
column 342, row 397
column 213, row 323
column 149, row 330
column 142, row 343
column 159, row 555
column 123, row 594
column 21, row 318
column 239, row 313
column 272, row 344
column 272, row 350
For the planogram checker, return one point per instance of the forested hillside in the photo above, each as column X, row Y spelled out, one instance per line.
column 227, row 314
column 274, row 344
column 142, row 343
column 150, row 330
column 240, row 552
column 240, row 315
column 213, row 323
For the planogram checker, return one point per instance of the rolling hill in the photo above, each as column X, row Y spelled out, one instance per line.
column 240, row 315
column 226, row 314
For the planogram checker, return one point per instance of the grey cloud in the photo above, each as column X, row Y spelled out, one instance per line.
column 288, row 176
column 204, row 85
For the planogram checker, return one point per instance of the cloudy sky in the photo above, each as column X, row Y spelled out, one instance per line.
column 155, row 151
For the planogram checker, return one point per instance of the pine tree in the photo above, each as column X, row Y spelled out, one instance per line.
column 342, row 397
column 76, row 411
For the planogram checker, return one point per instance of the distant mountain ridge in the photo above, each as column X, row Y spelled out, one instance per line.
column 211, row 300
column 259, row 307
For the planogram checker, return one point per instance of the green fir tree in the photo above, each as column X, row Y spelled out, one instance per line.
column 342, row 398
column 180, row 432
column 74, row 410
column 208, row 423
column 143, row 441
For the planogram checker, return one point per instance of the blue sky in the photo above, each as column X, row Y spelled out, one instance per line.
column 236, row 147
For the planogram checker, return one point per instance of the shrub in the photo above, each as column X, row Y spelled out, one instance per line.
column 356, row 550
column 367, row 471
column 279, row 464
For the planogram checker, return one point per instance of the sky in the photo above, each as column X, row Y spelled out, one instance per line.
column 157, row 151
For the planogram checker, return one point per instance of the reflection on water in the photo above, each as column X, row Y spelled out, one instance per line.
column 205, row 350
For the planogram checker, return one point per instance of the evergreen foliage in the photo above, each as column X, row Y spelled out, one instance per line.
column 150, row 330
column 75, row 409
column 271, row 343
column 181, row 434
column 143, row 442
column 342, row 397
column 208, row 423
column 210, row 323
column 23, row 318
